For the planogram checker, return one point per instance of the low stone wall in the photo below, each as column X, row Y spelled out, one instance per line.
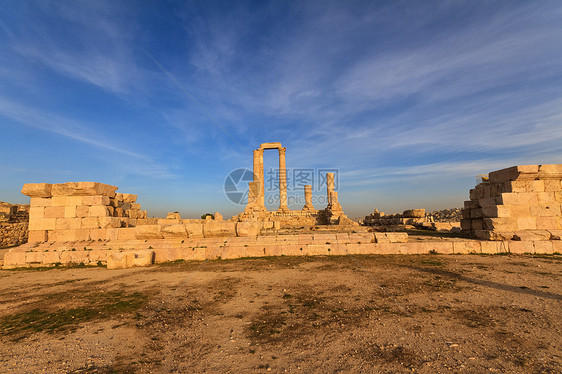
column 13, row 234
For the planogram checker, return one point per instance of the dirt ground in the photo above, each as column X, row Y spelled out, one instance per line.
column 371, row 314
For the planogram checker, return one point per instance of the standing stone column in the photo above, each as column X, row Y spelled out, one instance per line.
column 329, row 186
column 282, row 181
column 261, row 180
column 256, row 197
column 308, row 207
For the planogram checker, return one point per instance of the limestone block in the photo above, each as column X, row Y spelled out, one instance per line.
column 100, row 211
column 514, row 173
column 397, row 237
column 361, row 237
column 14, row 259
column 173, row 215
column 556, row 246
column 493, row 247
column 526, row 223
column 465, row 213
column 120, row 260
column 552, row 185
column 95, row 200
column 524, row 186
column 248, row 228
column 59, row 201
column 323, row 238
column 148, row 232
column 276, row 225
column 493, row 235
column 526, row 198
column 342, row 237
column 521, row 246
column 233, row 251
column 75, row 257
column 555, row 234
column 471, row 204
column 218, row 217
column 51, row 257
column 37, row 236
column 108, row 222
column 79, row 235
column 42, row 224
column 174, row 231
column 82, row 211
column 526, row 235
column 129, row 198
column 98, row 255
column 496, row 211
column 89, row 222
column 36, row 212
column 547, row 223
column 269, row 224
column 68, row 223
column 550, row 171
column 287, row 238
column 54, row 212
column 472, row 194
column 466, row 224
column 543, row 246
column 414, row 213
column 545, row 210
column 143, row 258
column 119, row 212
column 194, row 230
column 546, row 197
column 476, row 213
column 83, row 189
column 58, row 236
column 39, row 201
column 70, row 211
column 33, row 257
column 467, row 247
column 218, row 228
column 317, row 249
column 37, row 189
column 502, row 224
column 135, row 206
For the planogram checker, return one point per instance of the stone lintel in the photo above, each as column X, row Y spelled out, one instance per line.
column 272, row 145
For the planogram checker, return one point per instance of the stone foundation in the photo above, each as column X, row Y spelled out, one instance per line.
column 522, row 203
column 14, row 221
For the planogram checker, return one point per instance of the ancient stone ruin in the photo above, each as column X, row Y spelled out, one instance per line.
column 13, row 224
column 518, row 203
column 90, row 223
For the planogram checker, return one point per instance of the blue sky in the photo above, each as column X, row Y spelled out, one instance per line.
column 408, row 100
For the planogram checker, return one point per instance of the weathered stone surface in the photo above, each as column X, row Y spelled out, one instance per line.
column 37, row 189
column 83, row 189
column 414, row 213
column 148, row 232
column 248, row 228
column 174, row 231
column 173, row 215
column 514, row 173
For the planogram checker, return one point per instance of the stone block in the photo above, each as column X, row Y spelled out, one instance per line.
column 36, row 212
column 51, row 258
column 414, row 213
column 317, row 249
column 173, row 215
column 143, row 258
column 546, row 198
column 527, row 235
column 342, row 237
column 469, row 204
column 129, row 198
column 80, row 234
column 70, row 211
column 557, row 246
column 555, row 234
column 218, row 228
column 39, row 201
column 233, row 251
column 476, row 213
column 514, row 173
column 109, row 222
column 120, row 260
column 267, row 225
column 524, row 186
column 525, row 198
column 83, row 189
column 362, row 237
column 526, row 223
column 174, row 231
column 194, row 230
column 248, row 228
column 465, row 213
column 493, row 235
column 68, row 223
column 98, row 255
column 33, row 258
column 59, row 201
column 75, row 257
column 37, row 236
column 89, row 222
column 135, row 206
column 54, row 212
column 37, row 190
column 148, row 232
column 95, row 200
column 501, row 224
column 82, row 211
column 552, row 185
column 14, row 260
column 42, row 224
column 543, row 246
column 467, row 247
column 493, row 247
column 101, row 211
column 550, row 171
column 496, row 211
column 526, row 246
column 547, row 223
column 323, row 238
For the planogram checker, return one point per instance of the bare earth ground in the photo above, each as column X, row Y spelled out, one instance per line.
column 418, row 313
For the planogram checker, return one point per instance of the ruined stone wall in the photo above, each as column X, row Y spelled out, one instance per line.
column 408, row 217
column 517, row 203
column 14, row 221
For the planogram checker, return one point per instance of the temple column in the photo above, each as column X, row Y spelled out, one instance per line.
column 261, row 179
column 329, row 186
column 308, row 206
column 282, row 181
